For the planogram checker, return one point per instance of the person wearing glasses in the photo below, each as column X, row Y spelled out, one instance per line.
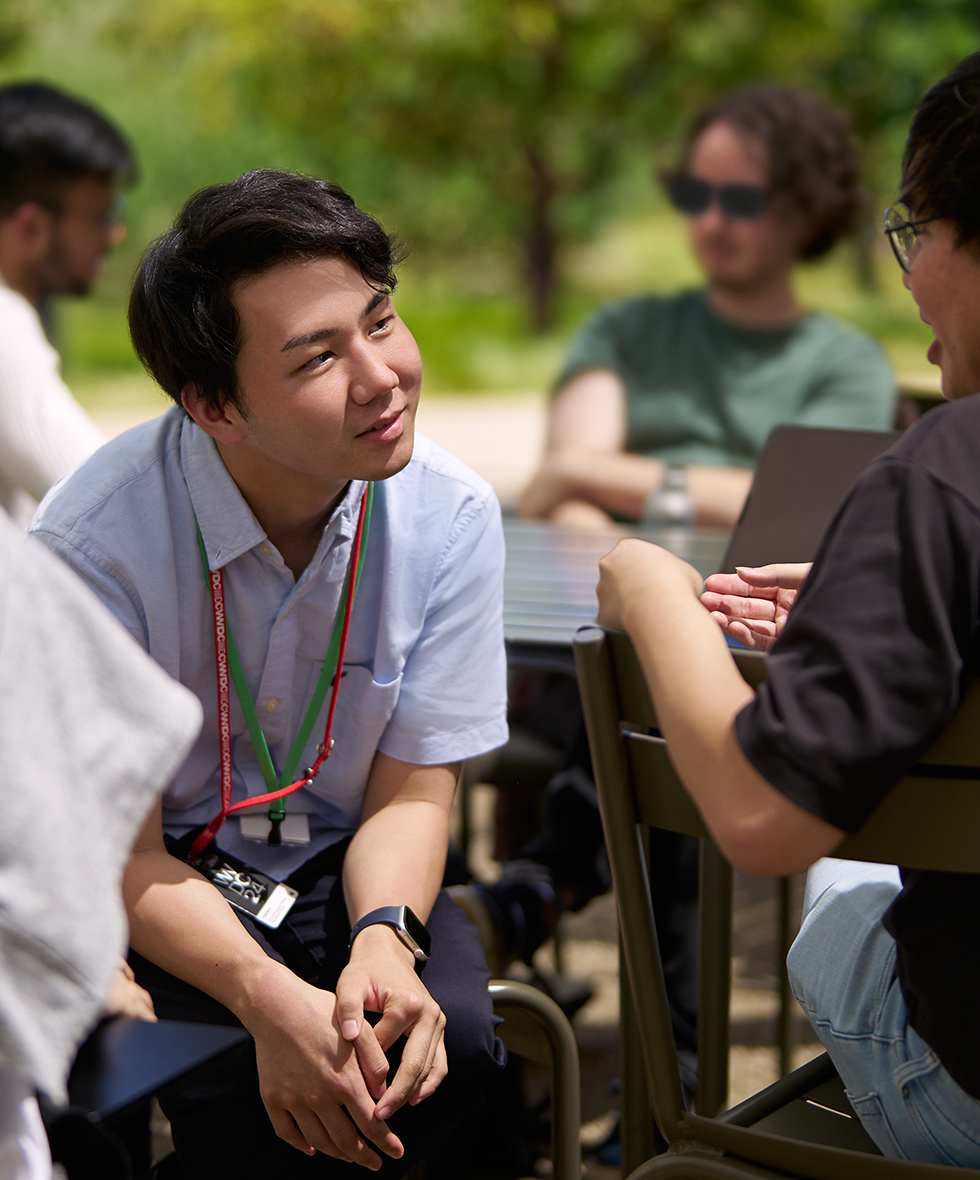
column 874, row 647
column 768, row 179
column 61, row 165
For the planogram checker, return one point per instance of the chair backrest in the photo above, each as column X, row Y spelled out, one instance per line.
column 801, row 479
column 929, row 820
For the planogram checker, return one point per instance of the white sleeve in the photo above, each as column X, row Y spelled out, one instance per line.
column 44, row 432
column 453, row 699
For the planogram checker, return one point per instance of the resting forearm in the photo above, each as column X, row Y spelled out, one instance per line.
column 397, row 857
column 698, row 692
column 181, row 923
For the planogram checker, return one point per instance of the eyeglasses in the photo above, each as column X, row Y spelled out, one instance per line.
column 692, row 196
column 901, row 231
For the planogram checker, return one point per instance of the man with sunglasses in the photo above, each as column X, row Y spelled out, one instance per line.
column 768, row 179
column 61, row 165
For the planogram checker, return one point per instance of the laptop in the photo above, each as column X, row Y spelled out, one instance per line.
column 802, row 478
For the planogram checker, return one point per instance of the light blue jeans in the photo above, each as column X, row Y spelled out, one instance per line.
column 842, row 970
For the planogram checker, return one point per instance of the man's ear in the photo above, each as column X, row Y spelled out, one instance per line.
column 31, row 226
column 225, row 424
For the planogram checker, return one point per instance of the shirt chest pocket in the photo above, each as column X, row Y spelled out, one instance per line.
column 364, row 708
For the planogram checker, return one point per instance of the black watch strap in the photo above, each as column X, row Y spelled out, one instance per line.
column 406, row 925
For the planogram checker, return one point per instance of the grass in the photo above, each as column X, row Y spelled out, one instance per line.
column 475, row 339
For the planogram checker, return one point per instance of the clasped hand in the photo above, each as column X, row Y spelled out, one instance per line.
column 322, row 1067
column 751, row 605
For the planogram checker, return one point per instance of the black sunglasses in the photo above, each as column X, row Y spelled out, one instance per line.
column 692, row 196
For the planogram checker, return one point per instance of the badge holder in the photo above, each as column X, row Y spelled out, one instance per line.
column 294, row 829
column 264, row 899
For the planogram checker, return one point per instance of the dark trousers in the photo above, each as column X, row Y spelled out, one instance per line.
column 219, row 1124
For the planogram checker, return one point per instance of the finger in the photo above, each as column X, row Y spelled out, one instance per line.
column 438, row 1068
column 784, row 575
column 287, row 1130
column 727, row 584
column 372, row 1062
column 402, row 1012
column 755, row 636
column 762, row 607
column 412, row 1069
column 349, row 1015
column 348, row 1128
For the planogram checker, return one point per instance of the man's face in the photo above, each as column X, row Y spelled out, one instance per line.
column 739, row 255
column 945, row 283
column 328, row 375
column 84, row 228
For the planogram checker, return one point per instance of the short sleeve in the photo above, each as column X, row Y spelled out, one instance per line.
column 596, row 346
column 870, row 667
column 852, row 386
column 453, row 698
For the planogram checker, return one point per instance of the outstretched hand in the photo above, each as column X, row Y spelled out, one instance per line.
column 751, row 605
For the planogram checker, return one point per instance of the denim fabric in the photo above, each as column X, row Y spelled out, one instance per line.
column 842, row 968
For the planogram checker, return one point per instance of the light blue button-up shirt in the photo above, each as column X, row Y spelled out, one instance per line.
column 424, row 673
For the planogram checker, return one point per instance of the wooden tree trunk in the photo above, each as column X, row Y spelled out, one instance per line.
column 539, row 243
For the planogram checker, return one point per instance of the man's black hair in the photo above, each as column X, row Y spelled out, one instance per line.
column 813, row 160
column 48, row 139
column 941, row 164
column 182, row 316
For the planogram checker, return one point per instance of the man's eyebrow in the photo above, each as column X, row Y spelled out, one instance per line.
column 325, row 333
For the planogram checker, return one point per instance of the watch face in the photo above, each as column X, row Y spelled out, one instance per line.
column 417, row 933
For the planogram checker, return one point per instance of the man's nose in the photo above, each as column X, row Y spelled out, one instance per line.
column 372, row 374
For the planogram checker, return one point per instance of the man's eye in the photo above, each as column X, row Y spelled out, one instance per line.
column 382, row 324
column 317, row 361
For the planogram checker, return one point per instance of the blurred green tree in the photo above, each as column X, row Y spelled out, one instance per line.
column 472, row 123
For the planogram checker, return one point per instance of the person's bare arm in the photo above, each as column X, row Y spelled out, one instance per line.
column 698, row 692
column 752, row 604
column 586, row 476
column 397, row 857
column 308, row 1072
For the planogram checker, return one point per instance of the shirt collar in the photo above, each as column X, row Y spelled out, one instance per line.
column 227, row 524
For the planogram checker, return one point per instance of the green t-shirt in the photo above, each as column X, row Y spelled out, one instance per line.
column 702, row 390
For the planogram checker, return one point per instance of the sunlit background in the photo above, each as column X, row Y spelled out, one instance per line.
column 512, row 143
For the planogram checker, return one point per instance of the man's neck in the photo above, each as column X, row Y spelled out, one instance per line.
column 773, row 306
column 291, row 511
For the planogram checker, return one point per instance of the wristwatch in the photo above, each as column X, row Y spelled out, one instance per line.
column 405, row 924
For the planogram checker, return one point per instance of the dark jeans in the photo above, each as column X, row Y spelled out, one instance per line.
column 219, row 1124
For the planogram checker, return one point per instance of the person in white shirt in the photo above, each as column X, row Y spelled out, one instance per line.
column 61, row 165
column 91, row 731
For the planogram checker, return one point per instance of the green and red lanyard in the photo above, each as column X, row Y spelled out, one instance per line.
column 230, row 672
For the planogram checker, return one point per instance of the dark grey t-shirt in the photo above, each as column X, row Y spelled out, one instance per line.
column 868, row 672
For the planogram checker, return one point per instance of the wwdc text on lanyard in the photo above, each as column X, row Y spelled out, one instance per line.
column 230, row 671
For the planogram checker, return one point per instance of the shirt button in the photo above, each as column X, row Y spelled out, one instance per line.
column 265, row 548
column 249, row 749
column 271, row 706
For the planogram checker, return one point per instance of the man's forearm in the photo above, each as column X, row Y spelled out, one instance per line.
column 397, row 857
column 620, row 483
column 182, row 924
column 698, row 692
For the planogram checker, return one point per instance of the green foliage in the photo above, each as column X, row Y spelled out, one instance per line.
column 501, row 137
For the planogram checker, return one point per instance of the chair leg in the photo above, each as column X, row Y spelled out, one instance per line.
column 541, row 1032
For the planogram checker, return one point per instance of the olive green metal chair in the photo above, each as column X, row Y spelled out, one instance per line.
column 802, row 1125
column 535, row 1028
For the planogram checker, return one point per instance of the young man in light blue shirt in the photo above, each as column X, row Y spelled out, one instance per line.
column 266, row 314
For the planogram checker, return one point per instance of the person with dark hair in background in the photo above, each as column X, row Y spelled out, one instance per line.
column 330, row 586
column 874, row 655
column 61, row 164
column 768, row 178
